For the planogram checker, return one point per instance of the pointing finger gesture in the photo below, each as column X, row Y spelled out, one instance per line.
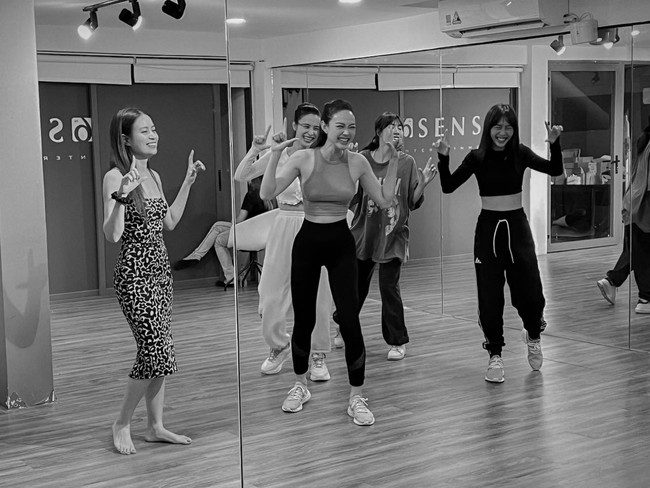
column 259, row 142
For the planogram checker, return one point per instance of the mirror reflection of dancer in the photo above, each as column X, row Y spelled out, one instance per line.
column 328, row 174
column 636, row 217
column 219, row 233
column 503, row 243
column 135, row 213
column 275, row 282
column 382, row 236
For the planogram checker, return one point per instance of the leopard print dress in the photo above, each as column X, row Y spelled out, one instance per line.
column 143, row 285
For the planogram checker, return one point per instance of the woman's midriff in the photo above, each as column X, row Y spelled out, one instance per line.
column 502, row 203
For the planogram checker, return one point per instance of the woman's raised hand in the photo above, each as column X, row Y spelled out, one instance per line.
column 429, row 172
column 442, row 146
column 259, row 142
column 553, row 132
column 131, row 180
column 280, row 141
column 193, row 168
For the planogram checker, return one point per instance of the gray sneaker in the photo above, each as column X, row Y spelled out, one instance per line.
column 495, row 372
column 318, row 370
column 298, row 395
column 358, row 409
column 608, row 290
column 277, row 357
column 534, row 350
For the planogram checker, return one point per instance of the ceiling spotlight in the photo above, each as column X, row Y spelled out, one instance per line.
column 235, row 21
column 607, row 38
column 134, row 19
column 558, row 45
column 174, row 9
column 86, row 29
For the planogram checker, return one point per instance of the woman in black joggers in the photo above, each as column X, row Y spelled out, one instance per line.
column 503, row 244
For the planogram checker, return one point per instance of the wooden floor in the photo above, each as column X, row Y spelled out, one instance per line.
column 583, row 421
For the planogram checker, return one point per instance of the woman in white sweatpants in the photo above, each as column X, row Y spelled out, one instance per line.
column 275, row 282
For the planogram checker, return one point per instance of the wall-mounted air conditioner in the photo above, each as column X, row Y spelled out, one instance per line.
column 473, row 18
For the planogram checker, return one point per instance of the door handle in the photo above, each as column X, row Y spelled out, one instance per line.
column 615, row 164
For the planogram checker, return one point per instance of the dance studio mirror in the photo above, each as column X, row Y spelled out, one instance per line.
column 595, row 91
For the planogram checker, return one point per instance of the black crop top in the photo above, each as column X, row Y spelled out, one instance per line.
column 496, row 174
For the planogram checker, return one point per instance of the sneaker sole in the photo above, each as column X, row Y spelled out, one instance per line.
column 338, row 346
column 389, row 358
column 299, row 406
column 494, row 381
column 317, row 378
column 362, row 424
column 643, row 312
column 604, row 292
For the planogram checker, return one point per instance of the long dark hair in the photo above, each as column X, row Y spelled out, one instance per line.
column 492, row 118
column 383, row 121
column 328, row 112
column 121, row 154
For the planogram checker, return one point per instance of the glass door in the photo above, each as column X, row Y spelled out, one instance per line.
column 585, row 202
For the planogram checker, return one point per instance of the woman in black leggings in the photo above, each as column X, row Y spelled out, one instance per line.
column 503, row 243
column 328, row 175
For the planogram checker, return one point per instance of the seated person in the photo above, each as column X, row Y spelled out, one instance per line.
column 218, row 234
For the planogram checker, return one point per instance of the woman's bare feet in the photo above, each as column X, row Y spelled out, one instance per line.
column 164, row 435
column 122, row 439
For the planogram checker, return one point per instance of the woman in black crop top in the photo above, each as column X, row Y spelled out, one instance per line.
column 503, row 243
column 328, row 174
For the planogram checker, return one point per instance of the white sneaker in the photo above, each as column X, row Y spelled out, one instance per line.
column 608, row 290
column 495, row 371
column 642, row 306
column 277, row 357
column 358, row 409
column 298, row 395
column 318, row 370
column 338, row 339
column 534, row 350
column 397, row 353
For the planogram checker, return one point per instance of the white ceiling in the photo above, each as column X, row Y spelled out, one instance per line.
column 265, row 18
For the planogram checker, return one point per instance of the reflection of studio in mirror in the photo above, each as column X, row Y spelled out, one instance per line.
column 450, row 91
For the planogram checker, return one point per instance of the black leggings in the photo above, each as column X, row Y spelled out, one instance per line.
column 332, row 246
column 504, row 250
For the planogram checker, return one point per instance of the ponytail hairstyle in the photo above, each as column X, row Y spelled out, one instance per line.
column 383, row 121
column 329, row 110
column 121, row 154
column 492, row 118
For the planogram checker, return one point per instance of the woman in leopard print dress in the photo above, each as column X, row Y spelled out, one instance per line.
column 135, row 212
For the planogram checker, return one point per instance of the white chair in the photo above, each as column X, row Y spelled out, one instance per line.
column 252, row 235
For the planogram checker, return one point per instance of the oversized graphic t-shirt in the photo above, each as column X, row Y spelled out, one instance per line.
column 382, row 235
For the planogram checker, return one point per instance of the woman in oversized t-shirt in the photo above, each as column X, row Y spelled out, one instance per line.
column 328, row 174
column 382, row 235
column 503, row 243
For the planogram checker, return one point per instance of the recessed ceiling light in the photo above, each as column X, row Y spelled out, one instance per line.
column 349, row 1
column 236, row 21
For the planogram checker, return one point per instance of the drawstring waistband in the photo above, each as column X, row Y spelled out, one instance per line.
column 494, row 239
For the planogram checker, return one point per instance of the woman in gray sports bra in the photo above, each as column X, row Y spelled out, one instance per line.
column 328, row 174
